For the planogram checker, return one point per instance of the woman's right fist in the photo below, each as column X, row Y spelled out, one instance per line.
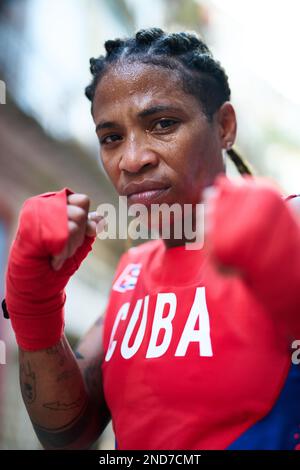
column 53, row 238
column 79, row 226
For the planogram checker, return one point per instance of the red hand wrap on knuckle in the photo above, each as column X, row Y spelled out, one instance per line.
column 255, row 231
column 35, row 295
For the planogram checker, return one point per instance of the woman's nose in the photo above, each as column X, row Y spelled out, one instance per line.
column 136, row 156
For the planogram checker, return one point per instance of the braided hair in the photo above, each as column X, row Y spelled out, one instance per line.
column 201, row 75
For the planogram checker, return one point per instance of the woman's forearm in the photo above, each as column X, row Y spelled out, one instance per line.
column 57, row 399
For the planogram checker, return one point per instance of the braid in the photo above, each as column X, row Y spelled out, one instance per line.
column 147, row 36
column 112, row 46
column 201, row 74
column 185, row 53
column 241, row 164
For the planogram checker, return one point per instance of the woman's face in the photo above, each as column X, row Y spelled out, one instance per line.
column 156, row 144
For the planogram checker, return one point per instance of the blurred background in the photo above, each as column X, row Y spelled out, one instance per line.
column 47, row 138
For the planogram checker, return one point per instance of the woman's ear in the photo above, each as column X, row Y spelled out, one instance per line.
column 227, row 125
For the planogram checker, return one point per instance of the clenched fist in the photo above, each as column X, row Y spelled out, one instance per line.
column 53, row 238
column 253, row 233
column 79, row 226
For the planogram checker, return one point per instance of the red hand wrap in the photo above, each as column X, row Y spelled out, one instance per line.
column 35, row 294
column 255, row 231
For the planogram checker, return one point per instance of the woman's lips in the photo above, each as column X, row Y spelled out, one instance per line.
column 150, row 196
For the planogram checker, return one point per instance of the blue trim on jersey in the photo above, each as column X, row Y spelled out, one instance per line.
column 277, row 430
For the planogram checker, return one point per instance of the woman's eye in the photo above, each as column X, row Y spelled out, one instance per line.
column 165, row 124
column 110, row 139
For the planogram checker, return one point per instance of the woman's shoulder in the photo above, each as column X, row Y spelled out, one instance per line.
column 144, row 250
column 140, row 254
column 130, row 264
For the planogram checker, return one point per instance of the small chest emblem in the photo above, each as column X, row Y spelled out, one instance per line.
column 128, row 278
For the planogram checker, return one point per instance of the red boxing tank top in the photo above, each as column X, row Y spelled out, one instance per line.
column 192, row 358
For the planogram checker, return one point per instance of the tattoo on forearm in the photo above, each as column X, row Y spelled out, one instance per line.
column 78, row 355
column 66, row 374
column 59, row 406
column 28, row 383
column 67, row 434
column 57, row 350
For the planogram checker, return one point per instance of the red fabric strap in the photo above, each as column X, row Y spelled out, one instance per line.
column 256, row 232
column 35, row 293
